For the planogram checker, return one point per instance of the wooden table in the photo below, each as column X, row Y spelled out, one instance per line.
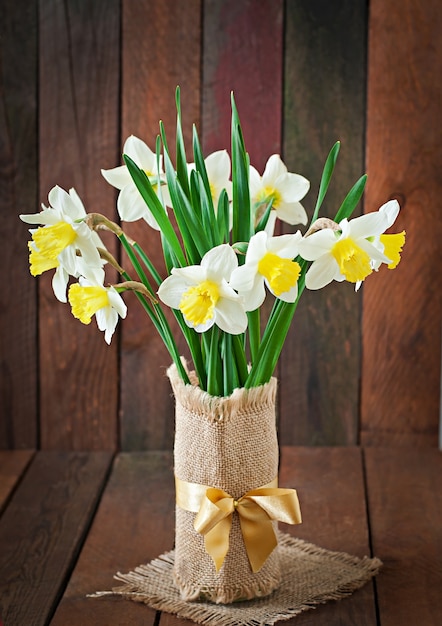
column 70, row 520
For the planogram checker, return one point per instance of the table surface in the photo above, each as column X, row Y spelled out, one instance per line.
column 71, row 520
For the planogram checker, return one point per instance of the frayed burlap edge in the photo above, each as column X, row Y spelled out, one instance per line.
column 197, row 401
column 310, row 576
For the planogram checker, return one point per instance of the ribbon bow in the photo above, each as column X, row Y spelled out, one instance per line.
column 257, row 509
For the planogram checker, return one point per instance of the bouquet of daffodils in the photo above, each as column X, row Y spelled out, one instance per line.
column 216, row 218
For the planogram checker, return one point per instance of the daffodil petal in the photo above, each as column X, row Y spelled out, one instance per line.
column 118, row 177
column 243, row 277
column 293, row 187
column 117, row 303
column 391, row 210
column 171, row 291
column 59, row 283
column 287, row 296
column 254, row 297
column 317, row 244
column 218, row 167
column 273, row 169
column 255, row 183
column 285, row 246
column 141, row 154
column 257, row 247
column 322, row 272
column 230, row 316
column 219, row 262
column 291, row 213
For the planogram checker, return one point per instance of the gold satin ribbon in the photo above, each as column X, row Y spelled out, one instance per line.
column 256, row 509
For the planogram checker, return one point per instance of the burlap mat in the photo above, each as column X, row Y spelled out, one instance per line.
column 310, row 576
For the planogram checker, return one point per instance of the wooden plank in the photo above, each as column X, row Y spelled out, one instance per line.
column 402, row 333
column 133, row 525
column 330, row 486
column 13, row 464
column 18, row 194
column 243, row 41
column 161, row 49
column 42, row 531
column 405, row 508
column 79, row 106
column 324, row 101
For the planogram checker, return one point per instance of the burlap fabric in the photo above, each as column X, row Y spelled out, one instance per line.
column 229, row 443
column 310, row 576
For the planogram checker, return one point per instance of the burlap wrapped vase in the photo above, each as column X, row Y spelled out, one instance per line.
column 228, row 443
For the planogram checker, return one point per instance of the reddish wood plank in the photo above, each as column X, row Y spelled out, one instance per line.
column 243, row 42
column 161, row 49
column 13, row 464
column 402, row 333
column 324, row 101
column 42, row 530
column 18, row 194
column 133, row 525
column 405, row 508
column 79, row 105
column 330, row 486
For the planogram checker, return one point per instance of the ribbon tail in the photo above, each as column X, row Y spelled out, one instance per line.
column 216, row 541
column 259, row 536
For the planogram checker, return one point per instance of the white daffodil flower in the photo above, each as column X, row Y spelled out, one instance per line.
column 269, row 261
column 218, row 172
column 350, row 253
column 130, row 204
column 63, row 233
column 283, row 188
column 203, row 295
column 88, row 298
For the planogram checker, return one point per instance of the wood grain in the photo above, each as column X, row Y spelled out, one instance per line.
column 134, row 524
column 330, row 486
column 403, row 309
column 18, row 194
column 42, row 530
column 13, row 464
column 324, row 101
column 79, row 89
column 405, row 508
column 161, row 49
column 243, row 48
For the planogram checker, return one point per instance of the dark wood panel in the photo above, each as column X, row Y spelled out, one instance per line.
column 402, row 332
column 242, row 52
column 134, row 524
column 18, row 194
column 161, row 49
column 42, row 530
column 324, row 101
column 405, row 508
column 79, row 107
column 13, row 464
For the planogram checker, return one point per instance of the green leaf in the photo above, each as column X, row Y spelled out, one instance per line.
column 265, row 217
column 214, row 370
column 351, row 199
column 223, row 217
column 151, row 199
column 186, row 218
column 326, row 177
column 242, row 220
column 181, row 161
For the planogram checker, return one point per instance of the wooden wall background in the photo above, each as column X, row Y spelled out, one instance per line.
column 77, row 77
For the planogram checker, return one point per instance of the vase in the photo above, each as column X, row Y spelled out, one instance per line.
column 228, row 444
